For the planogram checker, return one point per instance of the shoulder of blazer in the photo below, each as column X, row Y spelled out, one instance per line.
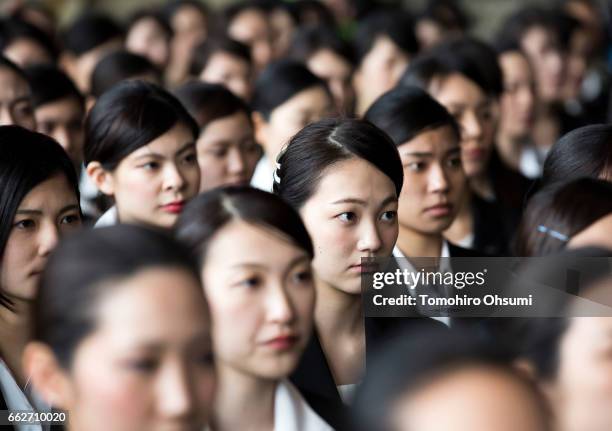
column 456, row 251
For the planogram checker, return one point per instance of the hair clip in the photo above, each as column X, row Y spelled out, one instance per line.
column 276, row 177
column 555, row 234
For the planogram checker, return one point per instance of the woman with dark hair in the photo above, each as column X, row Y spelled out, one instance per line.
column 331, row 59
column 248, row 21
column 189, row 20
column 26, row 44
column 517, row 104
column 140, row 149
column 441, row 380
column 149, row 34
column 584, row 152
column 560, row 212
column 225, row 61
column 226, row 148
column 344, row 177
column 121, row 334
column 287, row 97
column 384, row 45
column 119, row 66
column 15, row 96
column 39, row 203
column 427, row 138
column 464, row 76
column 255, row 260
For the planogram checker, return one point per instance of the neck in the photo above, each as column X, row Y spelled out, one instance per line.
column 15, row 328
column 337, row 312
column 418, row 244
column 243, row 402
column 510, row 149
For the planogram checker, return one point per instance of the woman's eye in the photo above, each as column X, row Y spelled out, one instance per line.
column 416, row 166
column 24, row 224
column 454, row 162
column 347, row 217
column 190, row 159
column 70, row 219
column 303, row 276
column 143, row 365
column 250, row 282
column 219, row 152
column 389, row 216
column 150, row 166
column 207, row 359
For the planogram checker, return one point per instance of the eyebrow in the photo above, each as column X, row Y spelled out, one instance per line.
column 184, row 148
column 292, row 264
column 360, row 202
column 452, row 106
column 39, row 212
column 20, row 99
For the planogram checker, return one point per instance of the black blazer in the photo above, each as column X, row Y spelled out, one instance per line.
column 494, row 226
column 313, row 376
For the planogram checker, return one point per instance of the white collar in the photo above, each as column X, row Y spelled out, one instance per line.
column 292, row 413
column 444, row 252
column 109, row 218
column 16, row 399
column 263, row 177
column 404, row 263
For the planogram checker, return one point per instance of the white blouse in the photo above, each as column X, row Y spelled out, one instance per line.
column 109, row 218
column 292, row 413
column 16, row 399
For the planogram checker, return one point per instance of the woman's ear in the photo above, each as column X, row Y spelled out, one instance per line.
column 47, row 376
column 102, row 178
column 260, row 126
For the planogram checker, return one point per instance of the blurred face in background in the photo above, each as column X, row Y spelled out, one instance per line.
column 517, row 102
column 337, row 72
column 148, row 362
column 308, row 106
column 227, row 152
column 230, row 70
column 379, row 71
column 80, row 68
column 15, row 100
column 252, row 27
column 471, row 398
column 578, row 59
column 27, row 52
column 63, row 121
column 351, row 215
column 476, row 115
column 283, row 27
column 260, row 288
column 581, row 392
column 148, row 38
column 542, row 48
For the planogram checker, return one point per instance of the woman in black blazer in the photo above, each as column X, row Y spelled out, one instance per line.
column 344, row 177
column 435, row 184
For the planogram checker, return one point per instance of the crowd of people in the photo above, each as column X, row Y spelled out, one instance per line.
column 187, row 196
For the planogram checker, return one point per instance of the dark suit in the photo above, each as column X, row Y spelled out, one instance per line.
column 313, row 376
